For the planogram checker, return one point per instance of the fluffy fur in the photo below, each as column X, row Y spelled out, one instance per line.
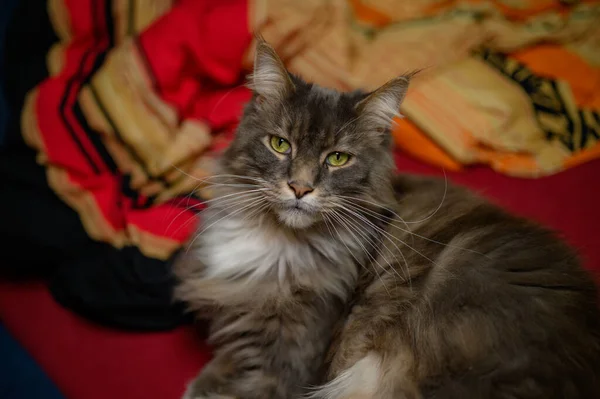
column 373, row 285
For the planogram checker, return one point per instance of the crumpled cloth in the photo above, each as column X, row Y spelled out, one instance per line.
column 514, row 84
column 125, row 121
column 143, row 93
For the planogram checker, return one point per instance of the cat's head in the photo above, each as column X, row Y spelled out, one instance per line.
column 310, row 148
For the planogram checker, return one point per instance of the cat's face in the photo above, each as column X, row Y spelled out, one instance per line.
column 312, row 148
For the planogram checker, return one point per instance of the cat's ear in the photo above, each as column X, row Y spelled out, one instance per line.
column 381, row 106
column 270, row 80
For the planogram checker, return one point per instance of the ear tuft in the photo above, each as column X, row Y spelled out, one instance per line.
column 270, row 80
column 383, row 104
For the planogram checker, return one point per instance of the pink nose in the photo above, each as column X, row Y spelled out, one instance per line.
column 300, row 189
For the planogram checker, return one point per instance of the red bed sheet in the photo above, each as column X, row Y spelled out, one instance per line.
column 87, row 361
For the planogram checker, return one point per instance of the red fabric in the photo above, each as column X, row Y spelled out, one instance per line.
column 194, row 56
column 90, row 362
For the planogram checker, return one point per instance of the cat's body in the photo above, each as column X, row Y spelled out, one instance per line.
column 368, row 285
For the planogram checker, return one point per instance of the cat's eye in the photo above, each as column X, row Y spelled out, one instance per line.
column 280, row 145
column 337, row 158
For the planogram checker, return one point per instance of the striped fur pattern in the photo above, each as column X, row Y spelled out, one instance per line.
column 373, row 285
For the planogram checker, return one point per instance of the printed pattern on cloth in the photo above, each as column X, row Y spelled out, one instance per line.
column 143, row 93
column 123, row 124
column 461, row 109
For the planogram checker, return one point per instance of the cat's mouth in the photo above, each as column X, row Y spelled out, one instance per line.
column 301, row 206
column 297, row 214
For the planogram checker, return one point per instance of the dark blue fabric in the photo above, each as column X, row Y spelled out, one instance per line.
column 5, row 13
column 20, row 376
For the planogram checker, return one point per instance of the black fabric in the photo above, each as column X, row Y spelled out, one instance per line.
column 27, row 249
column 119, row 288
column 28, row 38
column 38, row 231
column 7, row 11
column 41, row 236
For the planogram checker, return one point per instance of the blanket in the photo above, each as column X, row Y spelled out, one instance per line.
column 123, row 120
column 509, row 83
column 141, row 95
column 97, row 215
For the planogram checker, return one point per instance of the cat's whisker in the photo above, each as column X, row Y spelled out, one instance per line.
column 187, row 209
column 227, row 197
column 187, row 205
column 238, row 194
column 360, row 209
column 229, row 215
column 326, row 221
column 371, row 224
column 210, row 177
column 371, row 257
column 228, row 207
column 398, row 216
column 329, row 222
column 441, row 202
column 220, row 198
column 386, row 235
column 378, row 205
column 374, row 244
column 232, row 203
column 410, row 247
column 223, row 97
column 259, row 210
column 232, row 176
column 347, row 124
column 204, row 181
column 391, row 222
column 377, row 216
column 216, row 186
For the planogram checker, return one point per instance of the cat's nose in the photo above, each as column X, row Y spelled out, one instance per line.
column 300, row 189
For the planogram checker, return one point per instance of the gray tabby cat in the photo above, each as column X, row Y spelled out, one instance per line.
column 328, row 276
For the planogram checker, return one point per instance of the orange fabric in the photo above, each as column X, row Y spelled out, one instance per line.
column 410, row 139
column 559, row 63
column 514, row 84
column 368, row 14
column 377, row 12
column 583, row 156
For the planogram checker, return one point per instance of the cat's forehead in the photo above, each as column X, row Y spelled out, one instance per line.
column 321, row 112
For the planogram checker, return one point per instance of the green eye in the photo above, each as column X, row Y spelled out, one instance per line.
column 280, row 145
column 337, row 158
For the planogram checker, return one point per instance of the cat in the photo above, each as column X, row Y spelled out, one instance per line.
column 328, row 275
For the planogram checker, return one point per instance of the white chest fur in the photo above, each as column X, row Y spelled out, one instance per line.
column 235, row 247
